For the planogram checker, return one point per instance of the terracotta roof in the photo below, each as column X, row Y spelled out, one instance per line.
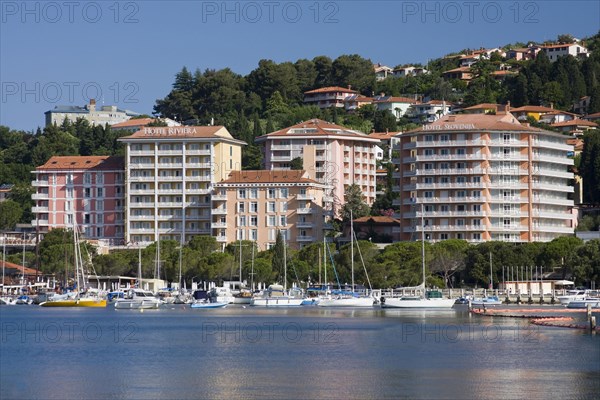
column 576, row 143
column 16, row 269
column 381, row 171
column 383, row 135
column 317, row 127
column 575, row 122
column 560, row 112
column 133, row 122
column 331, row 89
column 392, row 99
column 504, row 72
column 465, row 122
column 380, row 219
column 84, row 162
column 164, row 132
column 592, row 116
column 549, row 46
column 483, row 106
column 268, row 176
column 538, row 109
column 439, row 102
column 459, row 69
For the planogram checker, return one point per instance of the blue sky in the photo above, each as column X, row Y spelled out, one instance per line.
column 62, row 53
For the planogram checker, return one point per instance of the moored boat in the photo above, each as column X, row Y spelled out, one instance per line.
column 275, row 296
column 138, row 299
column 432, row 299
column 486, row 301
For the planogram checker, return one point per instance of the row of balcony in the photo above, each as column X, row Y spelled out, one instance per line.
column 485, row 199
column 483, row 142
column 558, row 187
column 152, row 152
column 485, row 171
column 488, row 228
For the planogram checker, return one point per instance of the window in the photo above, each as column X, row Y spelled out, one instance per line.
column 254, row 193
column 476, row 179
column 241, row 207
column 461, row 152
column 461, row 179
column 283, row 220
column 444, row 179
column 99, row 205
column 476, row 236
column 477, row 222
column 444, row 138
column 428, row 165
column 428, row 152
column 428, row 194
column 460, row 222
column 444, row 236
column 271, row 193
column 444, row 165
column 429, row 180
column 284, row 207
column 241, row 193
column 253, row 207
column 242, row 220
column 86, row 218
column 271, row 206
column 253, row 234
column 253, row 220
column 429, row 138
column 271, row 220
column 99, row 192
column 284, row 193
column 87, row 178
column 444, row 208
column 87, row 192
column 461, row 193
column 444, row 152
column 99, row 178
column 507, row 223
column 476, row 193
column 99, row 219
column 476, row 207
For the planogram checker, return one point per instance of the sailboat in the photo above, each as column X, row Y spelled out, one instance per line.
column 244, row 296
column 430, row 299
column 351, row 299
column 277, row 295
column 76, row 298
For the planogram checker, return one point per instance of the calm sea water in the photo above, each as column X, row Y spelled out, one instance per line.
column 289, row 353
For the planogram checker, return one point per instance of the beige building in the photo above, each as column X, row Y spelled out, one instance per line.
column 484, row 177
column 254, row 205
column 170, row 173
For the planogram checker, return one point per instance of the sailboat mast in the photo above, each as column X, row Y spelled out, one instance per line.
column 423, row 244
column 491, row 278
column 240, row 244
column 3, row 260
column 252, row 274
column 139, row 266
column 23, row 263
column 284, row 266
column 352, row 248
column 325, row 260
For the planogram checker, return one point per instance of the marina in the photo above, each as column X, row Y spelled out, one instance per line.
column 311, row 352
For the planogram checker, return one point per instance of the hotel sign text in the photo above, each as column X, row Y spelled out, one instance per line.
column 448, row 127
column 164, row 131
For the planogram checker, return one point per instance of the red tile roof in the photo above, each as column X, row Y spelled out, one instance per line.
column 331, row 89
column 380, row 219
column 392, row 99
column 575, row 122
column 592, row 116
column 268, row 176
column 484, row 106
column 465, row 122
column 383, row 135
column 133, row 122
column 536, row 109
column 317, row 127
column 83, row 163
column 164, row 132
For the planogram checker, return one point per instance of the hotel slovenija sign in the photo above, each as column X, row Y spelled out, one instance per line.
column 448, row 127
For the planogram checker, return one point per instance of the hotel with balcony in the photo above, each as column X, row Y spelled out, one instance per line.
column 87, row 188
column 254, row 205
column 483, row 177
column 170, row 173
column 333, row 155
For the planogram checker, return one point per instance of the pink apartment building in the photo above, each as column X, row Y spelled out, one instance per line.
column 333, row 155
column 82, row 191
column 254, row 205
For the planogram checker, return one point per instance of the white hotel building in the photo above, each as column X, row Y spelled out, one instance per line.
column 170, row 173
column 483, row 177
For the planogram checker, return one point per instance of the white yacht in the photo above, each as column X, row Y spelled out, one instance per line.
column 432, row 299
column 275, row 296
column 573, row 295
column 138, row 299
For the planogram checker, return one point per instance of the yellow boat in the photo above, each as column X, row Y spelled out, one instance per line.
column 83, row 302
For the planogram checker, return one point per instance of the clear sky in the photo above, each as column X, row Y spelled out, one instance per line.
column 127, row 52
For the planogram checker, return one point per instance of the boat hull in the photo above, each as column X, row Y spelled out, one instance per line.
column 208, row 305
column 135, row 304
column 276, row 302
column 584, row 303
column 347, row 302
column 75, row 303
column 242, row 300
column 417, row 303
